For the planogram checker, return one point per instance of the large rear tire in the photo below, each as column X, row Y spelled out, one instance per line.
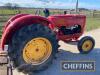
column 28, row 45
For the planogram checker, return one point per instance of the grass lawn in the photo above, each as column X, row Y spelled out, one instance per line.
column 92, row 23
column 1, row 23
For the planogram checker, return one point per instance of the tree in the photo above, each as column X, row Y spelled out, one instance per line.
column 8, row 5
column 15, row 6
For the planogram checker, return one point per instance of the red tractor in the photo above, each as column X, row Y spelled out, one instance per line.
column 33, row 40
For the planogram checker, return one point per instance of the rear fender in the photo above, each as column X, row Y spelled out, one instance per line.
column 18, row 23
column 12, row 19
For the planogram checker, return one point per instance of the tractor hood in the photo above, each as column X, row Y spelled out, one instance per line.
column 67, row 20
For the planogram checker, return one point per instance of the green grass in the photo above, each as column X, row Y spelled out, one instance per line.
column 1, row 24
column 92, row 23
column 8, row 11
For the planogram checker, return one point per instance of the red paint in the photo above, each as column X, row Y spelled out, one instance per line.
column 68, row 21
column 12, row 19
column 18, row 21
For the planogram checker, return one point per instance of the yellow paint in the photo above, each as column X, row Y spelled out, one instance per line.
column 87, row 45
column 37, row 51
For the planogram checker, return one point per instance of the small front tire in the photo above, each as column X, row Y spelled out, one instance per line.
column 86, row 45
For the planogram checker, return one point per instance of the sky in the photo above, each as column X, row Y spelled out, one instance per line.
column 61, row 4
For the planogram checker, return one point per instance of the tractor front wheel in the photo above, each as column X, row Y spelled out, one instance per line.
column 86, row 44
column 33, row 48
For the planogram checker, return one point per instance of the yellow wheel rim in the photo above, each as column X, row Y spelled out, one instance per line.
column 87, row 45
column 37, row 51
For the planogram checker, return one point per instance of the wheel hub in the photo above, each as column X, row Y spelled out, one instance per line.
column 87, row 45
column 37, row 51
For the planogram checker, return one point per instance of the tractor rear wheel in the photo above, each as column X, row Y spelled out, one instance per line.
column 33, row 48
